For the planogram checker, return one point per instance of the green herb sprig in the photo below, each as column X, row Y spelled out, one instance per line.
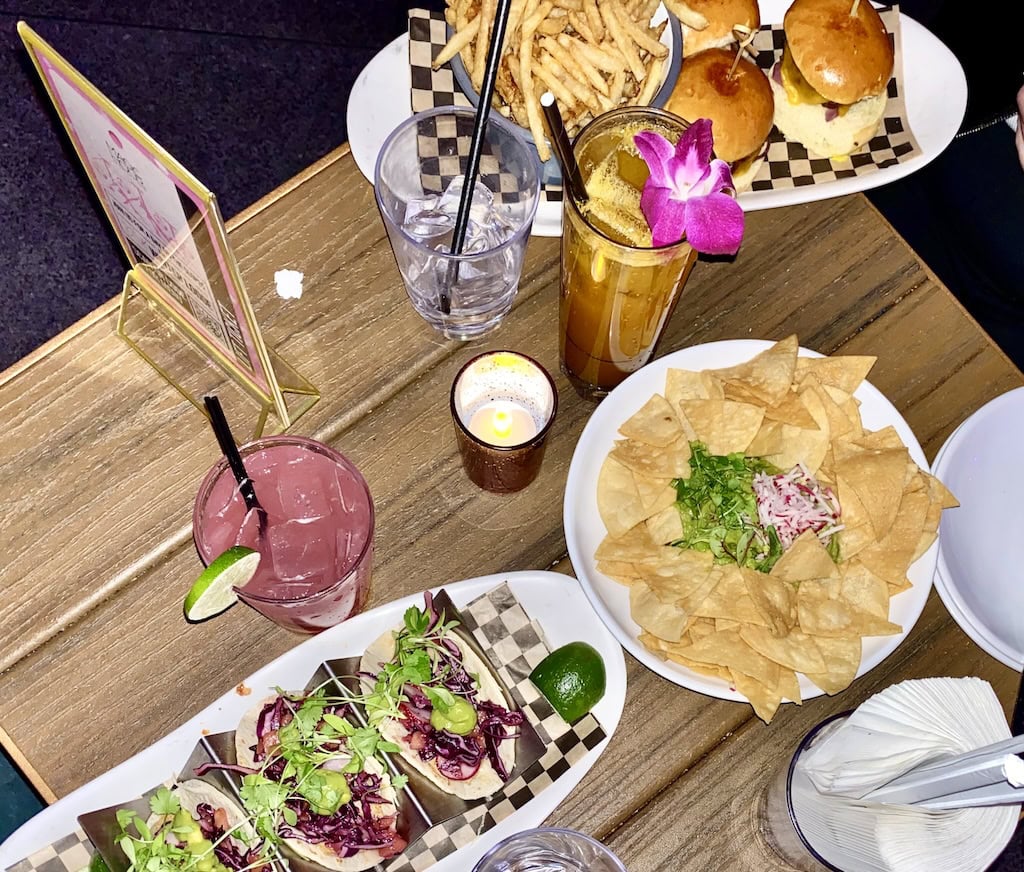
column 719, row 510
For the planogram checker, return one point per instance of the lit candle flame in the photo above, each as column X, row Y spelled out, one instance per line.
column 502, row 422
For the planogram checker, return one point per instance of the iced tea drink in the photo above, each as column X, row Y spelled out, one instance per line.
column 617, row 292
column 316, row 542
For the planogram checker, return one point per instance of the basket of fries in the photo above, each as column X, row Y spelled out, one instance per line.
column 592, row 55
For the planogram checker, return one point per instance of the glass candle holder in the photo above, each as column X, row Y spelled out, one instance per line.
column 503, row 404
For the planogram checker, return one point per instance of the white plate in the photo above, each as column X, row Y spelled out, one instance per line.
column 584, row 529
column 934, row 90
column 979, row 576
column 554, row 600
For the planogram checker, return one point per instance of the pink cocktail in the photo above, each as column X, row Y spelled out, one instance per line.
column 317, row 542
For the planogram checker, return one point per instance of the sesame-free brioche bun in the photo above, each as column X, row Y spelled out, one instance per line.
column 740, row 107
column 722, row 16
column 844, row 57
column 808, row 124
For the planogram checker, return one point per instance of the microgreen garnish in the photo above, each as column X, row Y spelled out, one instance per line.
column 419, row 659
column 719, row 510
column 314, row 735
column 168, row 846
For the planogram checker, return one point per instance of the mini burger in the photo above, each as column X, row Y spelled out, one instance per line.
column 738, row 102
column 830, row 86
column 709, row 23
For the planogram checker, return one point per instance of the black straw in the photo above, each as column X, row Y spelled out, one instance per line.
column 230, row 451
column 483, row 109
column 563, row 148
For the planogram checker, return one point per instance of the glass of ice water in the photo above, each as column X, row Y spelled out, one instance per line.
column 418, row 184
column 549, row 849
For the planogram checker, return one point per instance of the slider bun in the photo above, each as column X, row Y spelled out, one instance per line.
column 722, row 16
column 805, row 123
column 844, row 58
column 740, row 108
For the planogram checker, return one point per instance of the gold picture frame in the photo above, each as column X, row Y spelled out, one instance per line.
column 184, row 307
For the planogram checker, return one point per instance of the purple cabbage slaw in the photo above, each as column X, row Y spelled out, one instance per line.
column 353, row 827
column 456, row 757
column 232, row 852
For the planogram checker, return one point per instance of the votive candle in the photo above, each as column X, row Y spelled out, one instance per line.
column 503, row 404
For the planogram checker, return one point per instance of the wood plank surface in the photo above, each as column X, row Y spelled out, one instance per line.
column 102, row 462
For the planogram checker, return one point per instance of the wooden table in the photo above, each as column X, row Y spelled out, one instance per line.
column 101, row 461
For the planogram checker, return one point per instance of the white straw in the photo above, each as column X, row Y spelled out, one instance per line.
column 993, row 794
column 955, row 777
column 1013, row 745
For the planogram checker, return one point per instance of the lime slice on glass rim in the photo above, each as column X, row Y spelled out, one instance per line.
column 213, row 591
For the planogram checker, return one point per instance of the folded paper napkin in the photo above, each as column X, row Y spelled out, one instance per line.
column 907, row 725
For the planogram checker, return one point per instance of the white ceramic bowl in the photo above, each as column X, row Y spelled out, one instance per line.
column 980, row 572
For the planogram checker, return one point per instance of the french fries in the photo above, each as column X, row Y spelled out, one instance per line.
column 593, row 55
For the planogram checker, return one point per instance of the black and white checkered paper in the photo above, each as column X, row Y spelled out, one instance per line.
column 787, row 164
column 71, row 853
column 514, row 645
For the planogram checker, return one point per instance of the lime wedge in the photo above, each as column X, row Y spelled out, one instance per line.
column 213, row 591
column 572, row 678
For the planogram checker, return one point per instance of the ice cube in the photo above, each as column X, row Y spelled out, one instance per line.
column 430, row 226
column 481, row 208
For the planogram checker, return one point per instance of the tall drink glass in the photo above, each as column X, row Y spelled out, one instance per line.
column 549, row 849
column 418, row 183
column 317, row 542
column 617, row 292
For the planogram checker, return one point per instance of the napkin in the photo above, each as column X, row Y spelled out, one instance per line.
column 910, row 724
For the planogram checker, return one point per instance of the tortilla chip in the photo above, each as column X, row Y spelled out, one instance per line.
column 620, row 571
column 768, row 440
column 842, row 660
column 683, row 384
column 805, row 559
column 625, row 498
column 729, row 599
column 797, row 651
column 656, row 423
column 725, row 427
column 666, row 461
column 665, row 526
column 633, row 546
column 664, row 620
column 824, row 611
column 728, row 650
column 890, row 557
column 767, row 375
column 681, row 577
column 791, row 410
column 801, row 446
column 789, row 686
column 876, row 477
column 845, row 372
column 774, row 600
column 764, row 699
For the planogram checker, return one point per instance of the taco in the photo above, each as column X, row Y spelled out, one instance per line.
column 330, row 798
column 194, row 828
column 434, row 698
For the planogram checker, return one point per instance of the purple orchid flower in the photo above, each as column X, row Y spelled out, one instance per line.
column 684, row 195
